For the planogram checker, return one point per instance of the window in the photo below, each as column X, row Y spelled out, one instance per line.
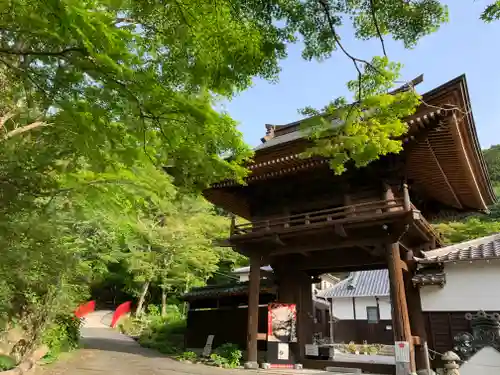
column 372, row 314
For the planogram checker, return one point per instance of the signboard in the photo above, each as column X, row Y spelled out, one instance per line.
column 402, row 351
column 312, row 350
column 282, row 322
column 283, row 351
column 281, row 332
column 208, row 346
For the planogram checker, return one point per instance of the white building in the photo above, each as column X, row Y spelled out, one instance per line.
column 361, row 307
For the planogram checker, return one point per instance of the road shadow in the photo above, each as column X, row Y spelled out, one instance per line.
column 106, row 339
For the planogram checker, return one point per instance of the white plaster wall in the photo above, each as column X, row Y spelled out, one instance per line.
column 343, row 307
column 469, row 287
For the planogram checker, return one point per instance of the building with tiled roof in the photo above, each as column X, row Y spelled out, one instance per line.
column 456, row 282
column 361, row 307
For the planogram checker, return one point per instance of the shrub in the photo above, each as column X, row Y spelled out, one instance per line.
column 165, row 336
column 6, row 362
column 132, row 326
column 188, row 356
column 227, row 355
column 352, row 347
column 373, row 349
column 62, row 335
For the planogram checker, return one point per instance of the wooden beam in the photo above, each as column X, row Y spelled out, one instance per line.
column 326, row 246
column 353, row 260
column 261, row 336
column 409, row 85
column 443, row 175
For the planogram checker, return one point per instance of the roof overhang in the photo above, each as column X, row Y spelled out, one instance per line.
column 444, row 158
column 484, row 248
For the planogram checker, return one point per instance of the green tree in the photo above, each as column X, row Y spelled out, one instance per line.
column 492, row 158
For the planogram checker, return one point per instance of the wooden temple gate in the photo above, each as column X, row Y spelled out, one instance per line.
column 304, row 220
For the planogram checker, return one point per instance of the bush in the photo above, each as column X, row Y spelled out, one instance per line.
column 6, row 362
column 164, row 335
column 227, row 355
column 352, row 347
column 63, row 335
column 132, row 326
column 188, row 356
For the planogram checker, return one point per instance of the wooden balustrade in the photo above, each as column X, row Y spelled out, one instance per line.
column 330, row 216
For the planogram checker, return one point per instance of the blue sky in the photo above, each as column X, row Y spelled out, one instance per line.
column 464, row 45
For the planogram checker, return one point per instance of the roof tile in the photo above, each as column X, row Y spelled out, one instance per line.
column 360, row 284
column 479, row 249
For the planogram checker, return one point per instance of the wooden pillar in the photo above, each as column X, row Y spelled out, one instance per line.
column 400, row 317
column 417, row 322
column 305, row 317
column 406, row 198
column 389, row 197
column 253, row 311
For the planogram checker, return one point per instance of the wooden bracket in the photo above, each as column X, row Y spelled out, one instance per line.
column 402, row 265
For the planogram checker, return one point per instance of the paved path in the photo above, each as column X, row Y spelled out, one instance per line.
column 106, row 351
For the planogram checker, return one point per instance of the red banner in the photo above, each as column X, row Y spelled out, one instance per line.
column 85, row 309
column 282, row 322
column 121, row 310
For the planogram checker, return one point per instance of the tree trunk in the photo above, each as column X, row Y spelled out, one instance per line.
column 185, row 305
column 163, row 301
column 142, row 298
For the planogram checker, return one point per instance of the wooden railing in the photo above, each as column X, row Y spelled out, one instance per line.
column 332, row 216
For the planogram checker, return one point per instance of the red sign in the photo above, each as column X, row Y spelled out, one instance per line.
column 281, row 322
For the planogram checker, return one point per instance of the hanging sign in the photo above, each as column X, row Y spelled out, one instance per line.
column 282, row 322
column 312, row 350
column 402, row 351
column 283, row 351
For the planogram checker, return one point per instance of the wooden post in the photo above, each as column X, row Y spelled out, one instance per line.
column 253, row 311
column 388, row 197
column 233, row 225
column 406, row 198
column 400, row 317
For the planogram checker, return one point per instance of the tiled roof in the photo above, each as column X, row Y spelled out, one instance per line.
column 479, row 249
column 438, row 278
column 360, row 284
column 303, row 133
column 226, row 290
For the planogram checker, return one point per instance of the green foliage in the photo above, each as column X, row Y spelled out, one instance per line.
column 468, row 229
column 478, row 225
column 188, row 356
column 230, row 354
column 62, row 335
column 492, row 158
column 6, row 362
column 492, row 12
column 164, row 335
column 363, row 131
